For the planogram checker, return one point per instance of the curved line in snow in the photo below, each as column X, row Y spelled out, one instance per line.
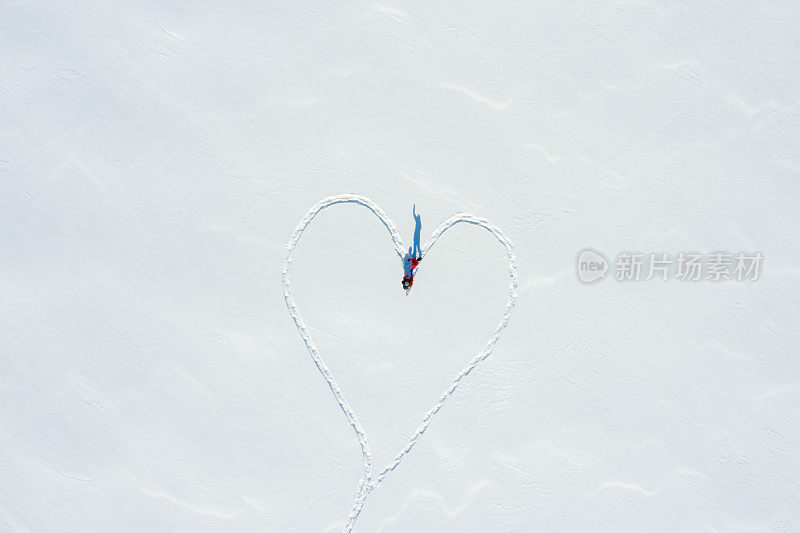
column 368, row 483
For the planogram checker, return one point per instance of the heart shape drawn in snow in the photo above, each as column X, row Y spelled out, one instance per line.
column 370, row 481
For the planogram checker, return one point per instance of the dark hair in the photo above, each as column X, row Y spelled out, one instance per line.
column 406, row 283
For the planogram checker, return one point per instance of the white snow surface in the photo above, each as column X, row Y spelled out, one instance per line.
column 156, row 158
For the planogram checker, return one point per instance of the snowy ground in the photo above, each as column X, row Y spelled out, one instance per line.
column 155, row 159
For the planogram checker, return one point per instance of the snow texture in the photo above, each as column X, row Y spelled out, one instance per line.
column 156, row 156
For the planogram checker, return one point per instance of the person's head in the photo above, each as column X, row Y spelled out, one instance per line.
column 406, row 283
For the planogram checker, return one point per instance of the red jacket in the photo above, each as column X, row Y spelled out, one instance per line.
column 414, row 262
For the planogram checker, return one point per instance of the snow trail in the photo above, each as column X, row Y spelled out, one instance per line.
column 368, row 483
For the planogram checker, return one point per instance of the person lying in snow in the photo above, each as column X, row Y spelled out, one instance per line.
column 408, row 279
